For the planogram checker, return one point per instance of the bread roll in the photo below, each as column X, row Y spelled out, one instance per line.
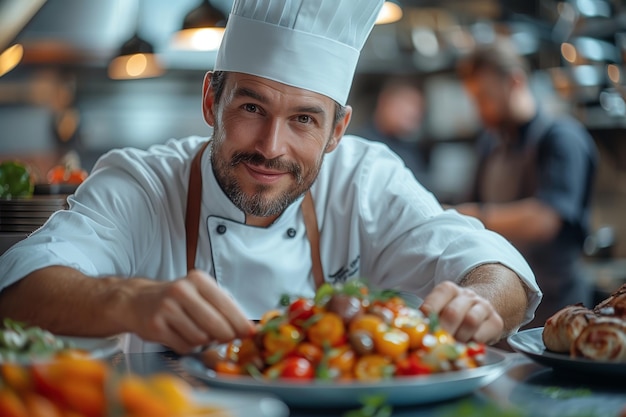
column 603, row 339
column 564, row 327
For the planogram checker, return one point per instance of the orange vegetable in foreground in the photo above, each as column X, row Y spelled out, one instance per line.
column 78, row 386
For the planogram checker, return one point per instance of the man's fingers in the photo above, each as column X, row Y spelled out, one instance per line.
column 491, row 330
column 439, row 297
column 473, row 319
column 223, row 305
column 464, row 313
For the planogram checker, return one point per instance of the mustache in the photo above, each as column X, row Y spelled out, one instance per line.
column 259, row 160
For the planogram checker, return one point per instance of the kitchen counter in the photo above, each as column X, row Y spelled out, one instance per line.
column 531, row 388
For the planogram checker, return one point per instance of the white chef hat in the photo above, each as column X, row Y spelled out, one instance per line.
column 309, row 44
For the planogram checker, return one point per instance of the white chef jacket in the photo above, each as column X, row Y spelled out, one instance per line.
column 376, row 223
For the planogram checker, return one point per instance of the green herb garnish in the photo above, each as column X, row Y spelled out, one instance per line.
column 374, row 406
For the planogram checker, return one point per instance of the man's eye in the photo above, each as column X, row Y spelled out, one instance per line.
column 252, row 108
column 304, row 118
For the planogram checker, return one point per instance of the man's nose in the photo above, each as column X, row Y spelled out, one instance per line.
column 272, row 142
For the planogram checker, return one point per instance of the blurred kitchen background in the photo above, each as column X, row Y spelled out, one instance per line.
column 58, row 97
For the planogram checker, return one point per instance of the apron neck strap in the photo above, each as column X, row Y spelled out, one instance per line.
column 192, row 220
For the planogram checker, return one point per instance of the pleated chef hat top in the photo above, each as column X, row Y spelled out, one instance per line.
column 309, row 44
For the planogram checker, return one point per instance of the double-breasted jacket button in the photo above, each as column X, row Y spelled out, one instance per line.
column 221, row 229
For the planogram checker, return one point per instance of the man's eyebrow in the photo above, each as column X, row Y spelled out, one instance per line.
column 310, row 109
column 246, row 92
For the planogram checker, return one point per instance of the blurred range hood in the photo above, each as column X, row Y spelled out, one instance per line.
column 14, row 15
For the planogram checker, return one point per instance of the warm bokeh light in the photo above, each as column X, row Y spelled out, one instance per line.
column 10, row 58
column 200, row 39
column 614, row 73
column 390, row 13
column 135, row 66
column 569, row 52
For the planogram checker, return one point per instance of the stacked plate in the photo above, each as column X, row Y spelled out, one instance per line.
column 27, row 214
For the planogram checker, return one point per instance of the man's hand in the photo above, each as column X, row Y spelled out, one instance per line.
column 488, row 304
column 185, row 313
column 464, row 313
column 181, row 314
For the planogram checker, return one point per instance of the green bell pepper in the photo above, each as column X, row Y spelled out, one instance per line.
column 15, row 180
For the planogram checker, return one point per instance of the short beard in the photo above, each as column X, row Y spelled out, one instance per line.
column 258, row 204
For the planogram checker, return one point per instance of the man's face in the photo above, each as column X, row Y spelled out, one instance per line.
column 268, row 141
column 491, row 92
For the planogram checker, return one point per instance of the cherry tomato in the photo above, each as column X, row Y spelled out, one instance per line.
column 393, row 342
column 372, row 368
column 309, row 351
column 248, row 352
column 227, row 368
column 269, row 315
column 342, row 358
column 297, row 368
column 56, row 175
column 76, row 176
column 283, row 340
column 411, row 366
column 416, row 329
column 475, row 349
column 299, row 311
column 327, row 331
column 370, row 323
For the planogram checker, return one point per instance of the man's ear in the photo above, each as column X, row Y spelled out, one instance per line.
column 208, row 99
column 339, row 130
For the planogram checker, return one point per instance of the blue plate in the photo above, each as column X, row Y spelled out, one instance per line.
column 398, row 391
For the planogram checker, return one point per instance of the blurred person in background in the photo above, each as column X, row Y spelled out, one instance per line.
column 397, row 121
column 534, row 175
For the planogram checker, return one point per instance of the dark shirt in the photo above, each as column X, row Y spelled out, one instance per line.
column 560, row 160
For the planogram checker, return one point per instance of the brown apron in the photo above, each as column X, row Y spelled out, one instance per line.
column 192, row 220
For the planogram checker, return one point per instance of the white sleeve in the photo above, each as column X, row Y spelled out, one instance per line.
column 94, row 235
column 410, row 243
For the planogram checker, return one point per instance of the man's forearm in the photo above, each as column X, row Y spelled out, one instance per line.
column 503, row 288
column 65, row 301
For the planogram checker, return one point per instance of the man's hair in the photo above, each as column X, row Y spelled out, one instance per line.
column 500, row 56
column 218, row 80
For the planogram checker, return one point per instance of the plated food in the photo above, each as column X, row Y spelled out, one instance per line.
column 73, row 384
column 21, row 343
column 594, row 334
column 347, row 333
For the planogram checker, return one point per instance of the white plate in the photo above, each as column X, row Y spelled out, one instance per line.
column 530, row 343
column 399, row 391
column 237, row 404
column 96, row 347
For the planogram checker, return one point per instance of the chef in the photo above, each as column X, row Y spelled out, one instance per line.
column 187, row 242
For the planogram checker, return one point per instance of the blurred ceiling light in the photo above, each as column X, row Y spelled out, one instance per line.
column 136, row 58
column 390, row 12
column 569, row 52
column 613, row 103
column 10, row 58
column 586, row 75
column 593, row 8
column 425, row 41
column 614, row 73
column 202, row 29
